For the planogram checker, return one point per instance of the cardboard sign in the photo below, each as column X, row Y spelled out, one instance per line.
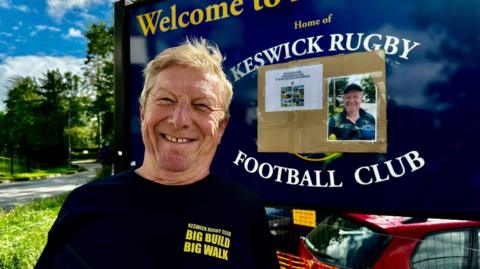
column 306, row 129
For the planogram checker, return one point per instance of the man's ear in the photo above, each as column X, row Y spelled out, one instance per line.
column 142, row 113
column 222, row 126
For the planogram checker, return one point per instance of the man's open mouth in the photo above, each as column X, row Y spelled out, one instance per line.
column 174, row 139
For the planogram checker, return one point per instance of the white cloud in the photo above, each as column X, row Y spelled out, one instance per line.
column 88, row 17
column 22, row 8
column 41, row 27
column 34, row 66
column 5, row 3
column 6, row 34
column 57, row 8
column 8, row 5
column 73, row 33
column 17, row 27
column 47, row 28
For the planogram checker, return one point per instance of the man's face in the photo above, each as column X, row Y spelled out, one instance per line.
column 352, row 101
column 183, row 121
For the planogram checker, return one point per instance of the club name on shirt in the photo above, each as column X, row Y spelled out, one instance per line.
column 207, row 241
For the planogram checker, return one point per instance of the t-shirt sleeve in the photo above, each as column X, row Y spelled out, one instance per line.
column 58, row 233
column 53, row 246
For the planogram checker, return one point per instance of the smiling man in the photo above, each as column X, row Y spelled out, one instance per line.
column 171, row 212
column 353, row 123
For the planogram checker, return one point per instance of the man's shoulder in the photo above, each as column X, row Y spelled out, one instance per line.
column 117, row 180
column 101, row 190
column 233, row 192
column 366, row 115
column 339, row 116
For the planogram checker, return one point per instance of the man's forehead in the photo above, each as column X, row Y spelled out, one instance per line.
column 191, row 73
column 193, row 91
column 187, row 80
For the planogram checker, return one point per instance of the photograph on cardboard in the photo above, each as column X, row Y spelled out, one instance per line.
column 352, row 108
column 294, row 88
column 292, row 96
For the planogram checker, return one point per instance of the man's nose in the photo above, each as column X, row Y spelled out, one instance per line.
column 180, row 117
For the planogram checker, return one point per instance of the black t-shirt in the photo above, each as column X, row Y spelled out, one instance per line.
column 126, row 221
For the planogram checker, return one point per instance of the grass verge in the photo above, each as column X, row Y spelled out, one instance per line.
column 5, row 165
column 41, row 173
column 23, row 232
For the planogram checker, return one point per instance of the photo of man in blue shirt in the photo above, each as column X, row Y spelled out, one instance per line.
column 353, row 123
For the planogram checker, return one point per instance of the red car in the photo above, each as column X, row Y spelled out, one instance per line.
column 372, row 241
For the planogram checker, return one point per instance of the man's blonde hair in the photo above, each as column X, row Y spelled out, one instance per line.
column 197, row 53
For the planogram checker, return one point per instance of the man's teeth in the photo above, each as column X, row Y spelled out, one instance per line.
column 175, row 139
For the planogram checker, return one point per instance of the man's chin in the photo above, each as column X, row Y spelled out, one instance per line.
column 175, row 164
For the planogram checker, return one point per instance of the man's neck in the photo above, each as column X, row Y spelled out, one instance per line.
column 158, row 175
column 353, row 116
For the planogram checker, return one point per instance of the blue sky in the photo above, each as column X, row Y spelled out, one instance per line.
column 37, row 35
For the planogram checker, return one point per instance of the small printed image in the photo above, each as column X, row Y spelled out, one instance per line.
column 352, row 108
column 292, row 96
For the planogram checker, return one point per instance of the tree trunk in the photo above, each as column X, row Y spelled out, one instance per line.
column 12, row 171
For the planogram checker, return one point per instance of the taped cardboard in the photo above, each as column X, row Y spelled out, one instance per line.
column 307, row 131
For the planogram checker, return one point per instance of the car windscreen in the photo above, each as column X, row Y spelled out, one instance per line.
column 345, row 243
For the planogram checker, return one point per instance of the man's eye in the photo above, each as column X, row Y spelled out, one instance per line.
column 202, row 107
column 164, row 101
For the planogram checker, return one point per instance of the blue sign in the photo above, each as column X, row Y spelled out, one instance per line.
column 430, row 165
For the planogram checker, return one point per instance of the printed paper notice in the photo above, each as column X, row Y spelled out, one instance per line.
column 305, row 217
column 296, row 88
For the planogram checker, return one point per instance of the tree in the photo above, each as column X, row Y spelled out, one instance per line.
column 369, row 89
column 80, row 130
column 21, row 103
column 100, row 78
column 38, row 115
column 3, row 134
column 335, row 90
column 337, row 85
column 52, row 118
column 43, row 120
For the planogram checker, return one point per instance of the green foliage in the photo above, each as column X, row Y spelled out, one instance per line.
column 369, row 89
column 335, row 90
column 100, row 41
column 5, row 166
column 40, row 107
column 99, row 74
column 45, row 118
column 81, row 136
column 21, row 104
column 41, row 117
column 51, row 119
column 23, row 232
column 336, row 86
column 3, row 134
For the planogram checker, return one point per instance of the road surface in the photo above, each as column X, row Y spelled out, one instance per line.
column 12, row 194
